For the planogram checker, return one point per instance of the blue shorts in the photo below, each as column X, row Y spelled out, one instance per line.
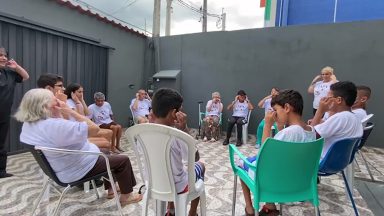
column 199, row 171
column 250, row 160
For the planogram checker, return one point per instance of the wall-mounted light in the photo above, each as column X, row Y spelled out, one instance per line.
column 157, row 80
column 131, row 86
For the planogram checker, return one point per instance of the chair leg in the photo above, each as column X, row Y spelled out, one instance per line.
column 203, row 204
column 357, row 164
column 40, row 196
column 86, row 187
column 113, row 185
column 60, row 200
column 144, row 208
column 281, row 209
column 95, row 188
column 366, row 165
column 234, row 195
column 349, row 193
column 317, row 211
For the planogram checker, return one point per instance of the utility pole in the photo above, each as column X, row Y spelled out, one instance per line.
column 156, row 19
column 205, row 16
column 168, row 18
column 223, row 17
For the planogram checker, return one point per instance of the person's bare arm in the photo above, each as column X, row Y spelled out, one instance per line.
column 250, row 105
column 230, row 106
column 12, row 64
column 311, row 86
column 136, row 102
column 269, row 119
column 323, row 107
column 262, row 101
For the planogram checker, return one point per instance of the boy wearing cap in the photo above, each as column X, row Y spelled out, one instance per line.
column 240, row 106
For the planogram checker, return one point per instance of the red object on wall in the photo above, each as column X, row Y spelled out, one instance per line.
column 262, row 3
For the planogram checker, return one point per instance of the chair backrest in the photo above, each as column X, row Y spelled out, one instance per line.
column 155, row 142
column 366, row 119
column 284, row 168
column 133, row 116
column 339, row 155
column 367, row 131
column 44, row 164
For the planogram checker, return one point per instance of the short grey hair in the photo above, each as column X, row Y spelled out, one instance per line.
column 215, row 94
column 35, row 105
column 99, row 96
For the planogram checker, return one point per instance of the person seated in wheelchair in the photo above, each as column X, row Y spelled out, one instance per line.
column 240, row 106
column 140, row 107
column 211, row 121
column 287, row 109
column 167, row 110
column 43, row 125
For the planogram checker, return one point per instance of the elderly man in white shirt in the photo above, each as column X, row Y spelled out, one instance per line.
column 140, row 107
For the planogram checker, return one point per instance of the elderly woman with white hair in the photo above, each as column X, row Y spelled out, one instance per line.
column 44, row 126
column 320, row 86
column 211, row 121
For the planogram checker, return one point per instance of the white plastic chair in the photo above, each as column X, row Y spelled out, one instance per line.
column 366, row 119
column 155, row 142
column 245, row 128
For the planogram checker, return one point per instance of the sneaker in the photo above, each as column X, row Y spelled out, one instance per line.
column 268, row 212
column 226, row 142
column 5, row 175
column 205, row 139
column 239, row 143
column 213, row 139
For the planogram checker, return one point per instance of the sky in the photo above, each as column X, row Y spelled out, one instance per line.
column 240, row 14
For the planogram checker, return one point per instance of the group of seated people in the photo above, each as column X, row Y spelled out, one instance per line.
column 58, row 118
column 74, row 125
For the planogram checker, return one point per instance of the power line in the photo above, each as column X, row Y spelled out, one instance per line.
column 110, row 15
column 126, row 5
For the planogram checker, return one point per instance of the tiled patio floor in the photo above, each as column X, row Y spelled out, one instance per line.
column 17, row 194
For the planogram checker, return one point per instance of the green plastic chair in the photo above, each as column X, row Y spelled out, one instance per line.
column 284, row 172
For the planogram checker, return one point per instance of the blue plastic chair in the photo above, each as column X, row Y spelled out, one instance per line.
column 338, row 157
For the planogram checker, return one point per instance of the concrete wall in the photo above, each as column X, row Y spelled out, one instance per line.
column 126, row 61
column 256, row 60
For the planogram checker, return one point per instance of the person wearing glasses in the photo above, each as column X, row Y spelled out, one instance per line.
column 10, row 74
column 319, row 86
column 53, row 83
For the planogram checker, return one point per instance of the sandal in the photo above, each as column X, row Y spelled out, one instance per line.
column 133, row 198
column 265, row 211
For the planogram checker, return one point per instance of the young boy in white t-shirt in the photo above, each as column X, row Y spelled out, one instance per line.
column 166, row 110
column 287, row 110
column 343, row 123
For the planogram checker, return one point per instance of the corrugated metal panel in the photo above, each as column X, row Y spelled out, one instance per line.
column 40, row 52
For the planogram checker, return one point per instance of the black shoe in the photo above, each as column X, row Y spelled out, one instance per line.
column 5, row 175
column 226, row 142
column 239, row 143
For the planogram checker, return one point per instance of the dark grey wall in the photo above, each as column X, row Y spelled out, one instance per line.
column 126, row 62
column 256, row 60
column 40, row 52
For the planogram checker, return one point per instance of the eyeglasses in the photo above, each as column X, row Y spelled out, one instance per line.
column 325, row 74
column 59, row 85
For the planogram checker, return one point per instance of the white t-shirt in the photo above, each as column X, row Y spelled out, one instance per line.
column 341, row 125
column 320, row 90
column 240, row 109
column 142, row 107
column 293, row 133
column 179, row 154
column 64, row 134
column 360, row 113
column 215, row 108
column 100, row 115
column 267, row 105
